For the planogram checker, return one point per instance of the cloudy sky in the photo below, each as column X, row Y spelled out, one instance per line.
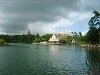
column 46, row 16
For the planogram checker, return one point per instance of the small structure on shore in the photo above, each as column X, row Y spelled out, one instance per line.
column 54, row 39
column 73, row 41
column 43, row 42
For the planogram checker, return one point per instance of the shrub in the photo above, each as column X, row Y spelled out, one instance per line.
column 2, row 42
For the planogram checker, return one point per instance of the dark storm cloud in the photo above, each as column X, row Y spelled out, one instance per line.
column 19, row 13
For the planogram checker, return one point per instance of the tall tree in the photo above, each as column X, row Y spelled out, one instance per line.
column 95, row 20
column 94, row 29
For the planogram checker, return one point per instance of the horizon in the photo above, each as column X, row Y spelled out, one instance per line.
column 69, row 33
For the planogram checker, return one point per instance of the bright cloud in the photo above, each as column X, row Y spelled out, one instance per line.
column 61, row 22
column 84, row 32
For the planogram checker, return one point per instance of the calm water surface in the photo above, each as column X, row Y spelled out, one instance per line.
column 28, row 59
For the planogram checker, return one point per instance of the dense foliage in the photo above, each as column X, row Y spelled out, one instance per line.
column 65, row 39
column 25, row 38
column 2, row 42
column 93, row 35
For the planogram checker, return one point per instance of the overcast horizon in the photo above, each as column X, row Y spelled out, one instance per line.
column 46, row 16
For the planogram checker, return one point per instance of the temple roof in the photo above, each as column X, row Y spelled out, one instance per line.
column 54, row 38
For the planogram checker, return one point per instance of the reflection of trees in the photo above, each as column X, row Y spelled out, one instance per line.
column 93, row 61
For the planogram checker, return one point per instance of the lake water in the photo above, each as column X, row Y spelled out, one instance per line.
column 28, row 59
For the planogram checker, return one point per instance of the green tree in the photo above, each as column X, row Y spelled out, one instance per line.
column 93, row 34
column 65, row 39
column 46, row 37
column 80, row 34
column 2, row 42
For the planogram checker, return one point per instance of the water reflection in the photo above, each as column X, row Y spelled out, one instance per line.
column 68, row 59
column 93, row 61
column 49, row 60
column 54, row 49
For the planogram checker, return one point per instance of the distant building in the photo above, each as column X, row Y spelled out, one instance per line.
column 44, row 42
column 54, row 39
column 73, row 41
column 64, row 34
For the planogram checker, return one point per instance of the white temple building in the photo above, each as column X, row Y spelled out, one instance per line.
column 54, row 39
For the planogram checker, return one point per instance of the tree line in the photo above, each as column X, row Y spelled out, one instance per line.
column 25, row 38
column 36, row 38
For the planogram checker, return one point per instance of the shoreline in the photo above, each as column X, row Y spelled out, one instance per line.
column 90, row 46
column 81, row 45
column 46, row 43
column 4, row 45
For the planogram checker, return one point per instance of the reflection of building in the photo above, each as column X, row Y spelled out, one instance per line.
column 54, row 49
column 54, row 39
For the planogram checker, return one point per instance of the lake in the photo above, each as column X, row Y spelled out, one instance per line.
column 28, row 59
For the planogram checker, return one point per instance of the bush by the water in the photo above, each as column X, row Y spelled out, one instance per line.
column 2, row 42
